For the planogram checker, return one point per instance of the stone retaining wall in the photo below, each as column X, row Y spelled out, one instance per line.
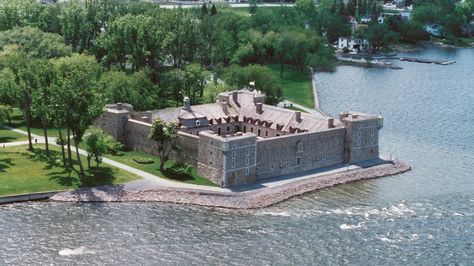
column 236, row 200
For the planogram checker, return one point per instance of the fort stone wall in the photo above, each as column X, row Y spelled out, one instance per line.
column 299, row 152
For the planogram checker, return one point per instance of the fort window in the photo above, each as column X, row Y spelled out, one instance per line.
column 298, row 161
column 251, row 129
column 237, row 128
column 287, row 163
column 359, row 134
column 324, row 157
column 233, row 154
column 373, row 124
column 210, row 152
column 245, row 129
column 372, row 132
column 299, row 147
column 277, row 135
column 266, row 133
column 228, row 128
column 248, row 171
column 272, row 166
column 256, row 169
column 233, row 146
column 198, row 123
column 247, row 152
column 218, row 131
column 233, row 164
column 248, row 161
column 259, row 132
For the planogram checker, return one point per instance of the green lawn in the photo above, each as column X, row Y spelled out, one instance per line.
column 7, row 135
column 18, row 122
column 296, row 87
column 153, row 168
column 22, row 171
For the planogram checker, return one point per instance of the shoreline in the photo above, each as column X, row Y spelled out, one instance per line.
column 253, row 199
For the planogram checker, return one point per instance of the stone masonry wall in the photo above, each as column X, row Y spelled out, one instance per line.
column 299, row 152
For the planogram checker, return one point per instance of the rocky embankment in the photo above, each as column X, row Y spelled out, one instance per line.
column 236, row 200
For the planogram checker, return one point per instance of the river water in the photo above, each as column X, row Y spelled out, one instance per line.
column 425, row 216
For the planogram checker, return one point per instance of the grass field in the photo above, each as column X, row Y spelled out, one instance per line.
column 296, row 87
column 22, row 171
column 154, row 168
column 7, row 135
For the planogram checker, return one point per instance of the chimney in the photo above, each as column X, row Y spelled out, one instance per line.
column 187, row 103
column 330, row 122
column 119, row 106
column 259, row 106
column 225, row 106
column 235, row 97
column 298, row 116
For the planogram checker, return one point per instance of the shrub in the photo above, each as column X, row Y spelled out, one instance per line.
column 143, row 160
column 179, row 171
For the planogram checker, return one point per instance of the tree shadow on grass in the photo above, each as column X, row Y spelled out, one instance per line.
column 64, row 178
column 5, row 163
column 7, row 139
column 98, row 176
column 40, row 155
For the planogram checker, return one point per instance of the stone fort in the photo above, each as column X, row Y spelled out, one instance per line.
column 239, row 139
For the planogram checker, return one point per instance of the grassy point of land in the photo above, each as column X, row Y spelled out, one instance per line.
column 22, row 171
column 154, row 168
column 7, row 135
column 296, row 87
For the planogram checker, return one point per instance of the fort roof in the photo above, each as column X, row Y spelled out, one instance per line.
column 244, row 105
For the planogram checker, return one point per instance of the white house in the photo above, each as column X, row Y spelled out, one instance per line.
column 366, row 19
column 353, row 44
column 380, row 19
column 434, row 29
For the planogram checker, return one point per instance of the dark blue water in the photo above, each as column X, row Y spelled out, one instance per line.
column 425, row 216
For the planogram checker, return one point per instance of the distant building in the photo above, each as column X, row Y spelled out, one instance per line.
column 352, row 44
column 365, row 19
column 239, row 140
column 435, row 30
column 380, row 19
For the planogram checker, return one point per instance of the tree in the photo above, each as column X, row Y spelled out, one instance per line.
column 192, row 80
column 41, row 99
column 379, row 36
column 204, row 9
column 95, row 145
column 167, row 138
column 75, row 92
column 252, row 6
column 213, row 10
column 136, row 89
column 5, row 112
column 23, row 53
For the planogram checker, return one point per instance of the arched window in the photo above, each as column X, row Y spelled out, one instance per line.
column 198, row 123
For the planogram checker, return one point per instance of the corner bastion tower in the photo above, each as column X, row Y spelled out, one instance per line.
column 239, row 139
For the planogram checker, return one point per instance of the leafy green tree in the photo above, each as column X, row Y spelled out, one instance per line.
column 379, row 36
column 136, row 89
column 252, row 6
column 167, row 138
column 75, row 89
column 95, row 145
column 204, row 9
column 213, row 10
column 35, row 43
column 192, row 80
column 5, row 113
